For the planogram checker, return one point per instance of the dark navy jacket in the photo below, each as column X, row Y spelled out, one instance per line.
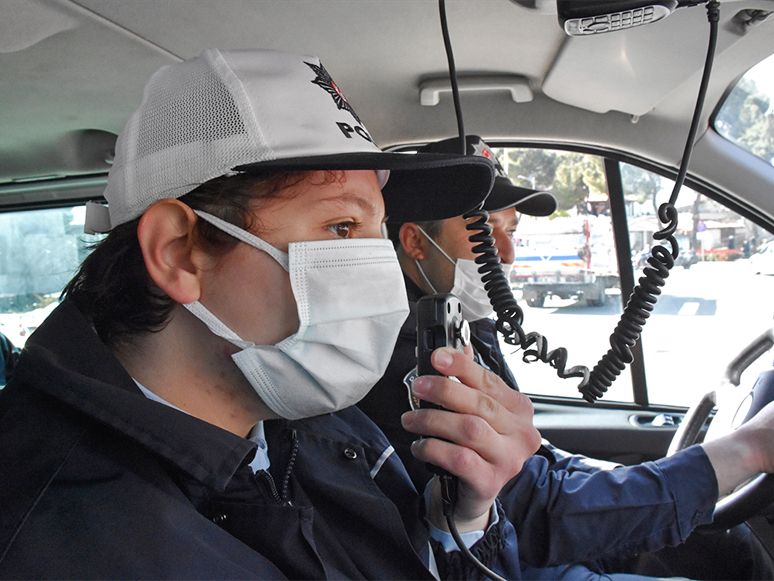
column 97, row 481
column 564, row 507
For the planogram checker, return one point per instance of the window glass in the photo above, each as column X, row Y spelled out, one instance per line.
column 40, row 251
column 747, row 116
column 565, row 276
column 714, row 301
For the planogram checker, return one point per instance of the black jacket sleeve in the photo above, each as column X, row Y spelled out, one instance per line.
column 9, row 355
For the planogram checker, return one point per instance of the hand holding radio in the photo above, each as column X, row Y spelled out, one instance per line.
column 483, row 435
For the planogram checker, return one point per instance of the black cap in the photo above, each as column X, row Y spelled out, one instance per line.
column 504, row 193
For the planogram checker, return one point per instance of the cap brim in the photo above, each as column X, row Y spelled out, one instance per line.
column 505, row 195
column 422, row 186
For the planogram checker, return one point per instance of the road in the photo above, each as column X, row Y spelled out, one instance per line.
column 704, row 317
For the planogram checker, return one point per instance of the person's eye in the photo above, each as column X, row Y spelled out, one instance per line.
column 343, row 229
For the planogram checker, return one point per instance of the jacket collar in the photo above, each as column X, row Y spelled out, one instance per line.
column 66, row 359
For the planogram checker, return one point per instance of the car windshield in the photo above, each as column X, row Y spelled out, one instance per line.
column 747, row 115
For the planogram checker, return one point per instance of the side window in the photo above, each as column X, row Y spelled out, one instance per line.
column 40, row 251
column 565, row 276
column 716, row 299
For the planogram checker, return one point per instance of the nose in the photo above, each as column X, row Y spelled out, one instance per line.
column 504, row 245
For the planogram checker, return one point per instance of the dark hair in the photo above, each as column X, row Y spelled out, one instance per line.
column 113, row 288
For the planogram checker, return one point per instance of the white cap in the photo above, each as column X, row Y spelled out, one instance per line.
column 255, row 110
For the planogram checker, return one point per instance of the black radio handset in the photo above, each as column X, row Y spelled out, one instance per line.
column 439, row 324
column 448, row 482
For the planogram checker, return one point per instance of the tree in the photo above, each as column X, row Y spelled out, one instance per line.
column 643, row 184
column 747, row 119
column 534, row 168
column 568, row 175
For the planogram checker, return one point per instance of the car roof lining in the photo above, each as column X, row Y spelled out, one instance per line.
column 87, row 61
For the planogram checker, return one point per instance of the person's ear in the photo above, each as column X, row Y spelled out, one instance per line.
column 174, row 262
column 413, row 241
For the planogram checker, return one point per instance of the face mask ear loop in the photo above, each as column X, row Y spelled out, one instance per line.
column 247, row 238
column 427, row 280
column 216, row 326
column 434, row 243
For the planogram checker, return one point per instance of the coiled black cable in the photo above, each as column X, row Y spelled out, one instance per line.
column 638, row 309
column 509, row 314
column 448, row 481
column 660, row 262
column 641, row 303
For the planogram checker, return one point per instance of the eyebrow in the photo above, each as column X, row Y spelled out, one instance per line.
column 506, row 223
column 347, row 197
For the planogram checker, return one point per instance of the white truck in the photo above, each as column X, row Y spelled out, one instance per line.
column 565, row 257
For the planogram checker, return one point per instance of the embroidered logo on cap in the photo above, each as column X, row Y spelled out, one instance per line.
column 325, row 81
column 483, row 150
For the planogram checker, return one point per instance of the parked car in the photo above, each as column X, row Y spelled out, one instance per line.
column 599, row 119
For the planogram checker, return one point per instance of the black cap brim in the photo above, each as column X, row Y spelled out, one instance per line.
column 421, row 187
column 505, row 195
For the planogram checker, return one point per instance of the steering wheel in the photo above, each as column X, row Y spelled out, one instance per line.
column 735, row 405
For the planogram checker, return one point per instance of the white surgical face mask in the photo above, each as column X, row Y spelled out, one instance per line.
column 468, row 287
column 351, row 304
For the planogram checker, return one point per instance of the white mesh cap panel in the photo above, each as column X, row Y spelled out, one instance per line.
column 187, row 108
column 187, row 130
column 200, row 119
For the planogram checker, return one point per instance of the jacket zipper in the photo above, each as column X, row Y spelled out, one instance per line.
column 282, row 499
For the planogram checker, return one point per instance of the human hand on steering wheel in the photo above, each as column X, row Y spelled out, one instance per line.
column 740, row 439
column 745, row 452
